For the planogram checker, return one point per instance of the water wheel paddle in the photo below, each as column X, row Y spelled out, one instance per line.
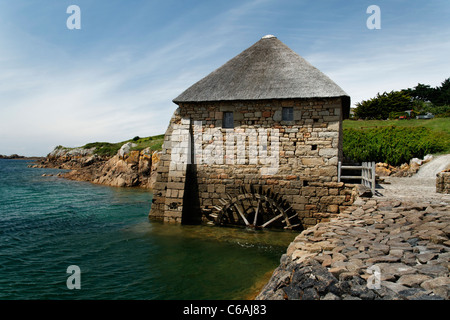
column 255, row 208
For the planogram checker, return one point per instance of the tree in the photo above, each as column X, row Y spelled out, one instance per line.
column 421, row 92
column 438, row 96
column 382, row 105
column 422, row 98
column 443, row 93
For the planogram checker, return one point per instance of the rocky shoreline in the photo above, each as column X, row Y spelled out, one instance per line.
column 128, row 168
column 19, row 157
column 379, row 249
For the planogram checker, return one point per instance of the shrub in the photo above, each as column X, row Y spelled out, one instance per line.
column 157, row 146
column 104, row 148
column 438, row 111
column 111, row 149
column 380, row 106
column 392, row 145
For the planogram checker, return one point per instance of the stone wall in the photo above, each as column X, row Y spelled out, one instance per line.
column 443, row 182
column 297, row 159
column 168, row 191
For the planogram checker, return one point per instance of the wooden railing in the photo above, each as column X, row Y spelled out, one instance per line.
column 367, row 174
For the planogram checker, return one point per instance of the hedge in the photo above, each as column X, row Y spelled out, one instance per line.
column 392, row 145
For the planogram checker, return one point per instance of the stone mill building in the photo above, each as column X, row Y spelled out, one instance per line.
column 255, row 143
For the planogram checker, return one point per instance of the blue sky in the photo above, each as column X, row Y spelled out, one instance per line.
column 116, row 77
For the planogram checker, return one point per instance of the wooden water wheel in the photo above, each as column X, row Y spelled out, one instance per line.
column 255, row 208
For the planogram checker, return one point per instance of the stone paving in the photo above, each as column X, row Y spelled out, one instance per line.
column 380, row 248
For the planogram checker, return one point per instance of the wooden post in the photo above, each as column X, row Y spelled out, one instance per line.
column 339, row 171
column 241, row 213
column 373, row 177
column 257, row 211
column 363, row 173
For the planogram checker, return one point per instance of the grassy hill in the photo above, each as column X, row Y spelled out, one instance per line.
column 110, row 149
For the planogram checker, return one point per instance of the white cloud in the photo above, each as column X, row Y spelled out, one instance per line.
column 392, row 63
column 123, row 95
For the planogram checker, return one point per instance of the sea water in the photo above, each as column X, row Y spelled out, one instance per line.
column 48, row 223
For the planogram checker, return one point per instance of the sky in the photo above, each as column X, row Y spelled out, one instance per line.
column 116, row 76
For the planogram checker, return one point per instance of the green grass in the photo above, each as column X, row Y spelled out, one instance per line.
column 110, row 149
column 104, row 148
column 154, row 143
column 440, row 126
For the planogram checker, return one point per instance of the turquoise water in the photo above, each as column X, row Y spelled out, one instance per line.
column 49, row 223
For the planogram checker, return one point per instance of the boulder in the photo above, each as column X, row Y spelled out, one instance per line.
column 382, row 171
column 125, row 149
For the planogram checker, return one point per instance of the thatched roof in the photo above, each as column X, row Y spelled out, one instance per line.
column 267, row 70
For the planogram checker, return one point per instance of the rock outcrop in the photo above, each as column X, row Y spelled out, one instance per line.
column 404, row 170
column 13, row 156
column 128, row 168
column 19, row 157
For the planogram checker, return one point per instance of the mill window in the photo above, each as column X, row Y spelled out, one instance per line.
column 228, row 121
column 287, row 114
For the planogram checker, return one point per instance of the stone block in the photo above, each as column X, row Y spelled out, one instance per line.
column 220, row 188
column 312, row 161
column 328, row 152
column 175, row 185
column 237, row 116
column 333, row 208
column 308, row 191
column 320, row 192
column 333, row 126
column 333, row 192
column 333, row 200
column 328, row 135
column 329, row 171
column 277, row 115
column 334, row 184
column 331, row 118
column 299, row 200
